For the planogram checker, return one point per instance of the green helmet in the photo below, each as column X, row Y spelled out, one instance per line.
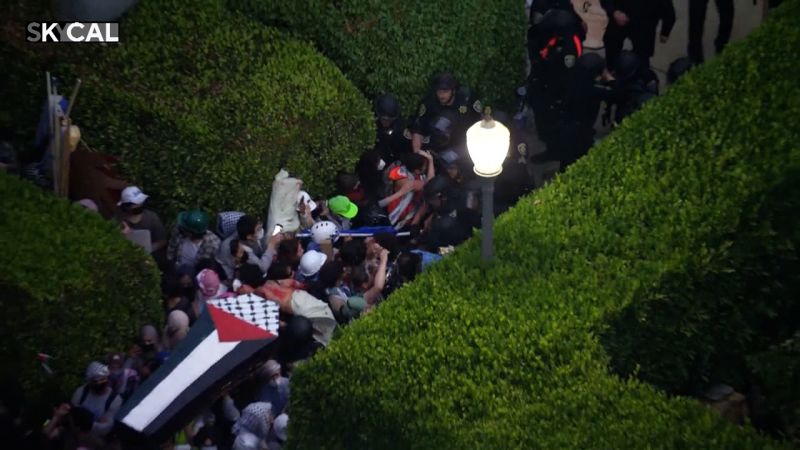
column 195, row 221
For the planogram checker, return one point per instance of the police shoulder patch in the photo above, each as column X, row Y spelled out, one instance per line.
column 462, row 109
column 477, row 106
column 522, row 149
column 407, row 133
column 569, row 61
column 422, row 110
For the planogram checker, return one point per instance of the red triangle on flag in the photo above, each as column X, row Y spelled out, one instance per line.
column 231, row 328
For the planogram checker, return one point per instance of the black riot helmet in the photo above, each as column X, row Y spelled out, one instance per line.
column 386, row 106
column 627, row 65
column 443, row 82
column 437, row 185
column 559, row 22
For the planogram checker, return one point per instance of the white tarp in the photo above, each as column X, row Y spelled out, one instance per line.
column 283, row 202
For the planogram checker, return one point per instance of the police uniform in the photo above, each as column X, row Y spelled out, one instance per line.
column 432, row 117
column 575, row 128
column 538, row 30
column 560, row 49
column 644, row 17
column 394, row 141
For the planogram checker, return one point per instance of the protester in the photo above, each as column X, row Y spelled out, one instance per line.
column 416, row 179
column 275, row 387
column 252, row 428
column 176, row 329
column 133, row 212
column 192, row 240
column 310, row 264
column 97, row 397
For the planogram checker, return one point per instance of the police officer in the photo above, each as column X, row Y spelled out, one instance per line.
column 450, row 222
column 538, row 32
column 697, row 22
column 590, row 84
column 448, row 109
column 392, row 136
column 637, row 20
column 558, row 49
column 635, row 85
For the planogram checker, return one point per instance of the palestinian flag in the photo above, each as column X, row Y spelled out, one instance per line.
column 229, row 337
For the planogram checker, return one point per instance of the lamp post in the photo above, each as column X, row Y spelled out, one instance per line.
column 487, row 143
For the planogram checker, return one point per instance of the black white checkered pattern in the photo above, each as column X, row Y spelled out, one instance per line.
column 226, row 222
column 252, row 309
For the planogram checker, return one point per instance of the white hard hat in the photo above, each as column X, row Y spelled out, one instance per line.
column 323, row 231
column 311, row 262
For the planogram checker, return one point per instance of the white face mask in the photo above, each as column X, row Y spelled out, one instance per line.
column 260, row 234
column 381, row 164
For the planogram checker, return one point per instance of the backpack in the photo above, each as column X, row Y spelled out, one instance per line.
column 113, row 396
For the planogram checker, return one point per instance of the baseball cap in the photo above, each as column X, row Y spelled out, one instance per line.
column 342, row 206
column 132, row 194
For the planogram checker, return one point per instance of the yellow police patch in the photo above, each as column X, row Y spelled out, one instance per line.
column 478, row 107
column 422, row 110
column 462, row 109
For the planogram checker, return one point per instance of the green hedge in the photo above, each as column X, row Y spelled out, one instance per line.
column 71, row 285
column 395, row 46
column 512, row 356
column 205, row 105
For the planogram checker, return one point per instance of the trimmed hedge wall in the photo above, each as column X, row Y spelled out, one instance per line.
column 71, row 285
column 205, row 105
column 395, row 46
column 512, row 356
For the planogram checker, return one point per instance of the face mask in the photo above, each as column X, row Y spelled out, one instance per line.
column 260, row 234
column 136, row 210
column 99, row 388
column 381, row 164
column 148, row 347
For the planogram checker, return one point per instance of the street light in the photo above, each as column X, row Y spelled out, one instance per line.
column 487, row 143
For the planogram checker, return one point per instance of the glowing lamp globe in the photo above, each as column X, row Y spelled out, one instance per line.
column 487, row 143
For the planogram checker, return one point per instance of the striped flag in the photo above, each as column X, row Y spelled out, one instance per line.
column 226, row 340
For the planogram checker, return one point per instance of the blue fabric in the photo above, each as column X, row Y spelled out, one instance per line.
column 361, row 230
column 428, row 258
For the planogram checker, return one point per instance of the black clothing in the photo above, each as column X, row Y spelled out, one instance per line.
column 393, row 141
column 432, row 119
column 644, row 17
column 630, row 95
column 557, row 49
column 540, row 29
column 697, row 21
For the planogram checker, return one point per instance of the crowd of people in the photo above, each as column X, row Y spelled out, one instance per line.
column 416, row 185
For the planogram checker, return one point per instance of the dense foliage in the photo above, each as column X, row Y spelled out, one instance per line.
column 72, row 286
column 644, row 229
column 395, row 46
column 205, row 105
